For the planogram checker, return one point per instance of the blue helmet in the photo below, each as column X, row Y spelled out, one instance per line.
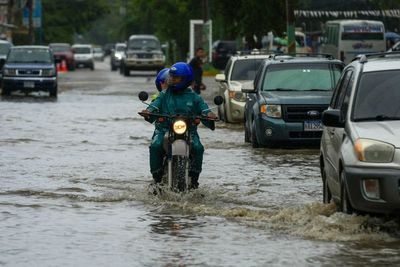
column 161, row 77
column 180, row 76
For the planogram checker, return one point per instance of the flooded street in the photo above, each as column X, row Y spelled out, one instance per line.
column 74, row 176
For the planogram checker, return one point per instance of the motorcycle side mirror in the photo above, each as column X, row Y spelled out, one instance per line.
column 218, row 100
column 143, row 96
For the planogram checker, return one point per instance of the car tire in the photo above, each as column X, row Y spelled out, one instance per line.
column 53, row 92
column 126, row 71
column 345, row 205
column 326, row 192
column 113, row 67
column 92, row 67
column 254, row 141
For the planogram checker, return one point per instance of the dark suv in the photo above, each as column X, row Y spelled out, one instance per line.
column 285, row 102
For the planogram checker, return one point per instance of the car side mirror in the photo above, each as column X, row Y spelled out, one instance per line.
column 218, row 100
column 332, row 118
column 220, row 78
column 248, row 87
column 143, row 96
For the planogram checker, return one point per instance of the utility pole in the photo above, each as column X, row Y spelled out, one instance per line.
column 29, row 5
column 290, row 21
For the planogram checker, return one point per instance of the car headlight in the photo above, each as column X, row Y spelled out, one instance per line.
column 238, row 96
column 118, row 56
column 10, row 72
column 369, row 150
column 179, row 127
column 48, row 72
column 273, row 111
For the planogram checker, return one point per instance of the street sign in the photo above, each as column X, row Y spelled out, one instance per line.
column 36, row 14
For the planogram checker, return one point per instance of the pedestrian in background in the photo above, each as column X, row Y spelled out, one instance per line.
column 197, row 66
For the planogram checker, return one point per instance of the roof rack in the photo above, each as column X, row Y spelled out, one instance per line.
column 320, row 55
column 363, row 58
column 253, row 52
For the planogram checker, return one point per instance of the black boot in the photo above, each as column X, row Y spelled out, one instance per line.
column 194, row 176
column 157, row 177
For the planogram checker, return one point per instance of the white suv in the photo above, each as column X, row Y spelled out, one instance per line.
column 83, row 55
column 360, row 145
column 240, row 68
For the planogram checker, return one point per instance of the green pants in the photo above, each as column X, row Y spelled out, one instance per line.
column 157, row 153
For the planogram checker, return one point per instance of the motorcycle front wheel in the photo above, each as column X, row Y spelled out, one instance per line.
column 179, row 173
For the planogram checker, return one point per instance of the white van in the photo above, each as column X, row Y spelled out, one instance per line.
column 345, row 39
column 83, row 55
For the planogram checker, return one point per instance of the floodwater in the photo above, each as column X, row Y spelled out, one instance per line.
column 74, row 191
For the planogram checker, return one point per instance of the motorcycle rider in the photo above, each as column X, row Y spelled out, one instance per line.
column 161, row 82
column 179, row 98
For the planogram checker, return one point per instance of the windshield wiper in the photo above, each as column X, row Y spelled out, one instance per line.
column 378, row 118
column 318, row 90
column 282, row 89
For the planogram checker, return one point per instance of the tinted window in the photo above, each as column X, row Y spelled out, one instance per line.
column 30, row 56
column 378, row 95
column 362, row 36
column 245, row 69
column 144, row 44
column 82, row 50
column 301, row 77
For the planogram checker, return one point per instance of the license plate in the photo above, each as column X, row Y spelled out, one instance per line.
column 312, row 126
column 29, row 85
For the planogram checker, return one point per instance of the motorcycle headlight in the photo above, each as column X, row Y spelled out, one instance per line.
column 10, row 72
column 273, row 111
column 238, row 96
column 179, row 127
column 48, row 72
column 374, row 151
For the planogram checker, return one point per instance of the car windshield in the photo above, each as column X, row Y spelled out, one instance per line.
column 4, row 48
column 60, row 48
column 378, row 96
column 120, row 48
column 82, row 50
column 30, row 56
column 97, row 50
column 244, row 70
column 301, row 77
column 144, row 44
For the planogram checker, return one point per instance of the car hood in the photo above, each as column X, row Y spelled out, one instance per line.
column 298, row 97
column 29, row 65
column 386, row 131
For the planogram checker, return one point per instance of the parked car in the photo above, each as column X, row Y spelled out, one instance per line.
column 4, row 48
column 98, row 53
column 143, row 53
column 116, row 55
column 63, row 51
column 83, row 54
column 222, row 50
column 360, row 146
column 30, row 68
column 241, row 68
column 285, row 102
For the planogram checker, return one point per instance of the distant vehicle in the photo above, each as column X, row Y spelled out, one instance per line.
column 116, row 55
column 83, row 54
column 222, row 50
column 395, row 47
column 30, row 68
column 108, row 48
column 285, row 102
column 143, row 53
column 345, row 39
column 63, row 51
column 98, row 53
column 360, row 145
column 4, row 48
column 280, row 44
column 241, row 68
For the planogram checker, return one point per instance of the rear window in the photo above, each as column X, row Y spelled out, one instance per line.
column 301, row 77
column 245, row 69
column 378, row 95
column 30, row 56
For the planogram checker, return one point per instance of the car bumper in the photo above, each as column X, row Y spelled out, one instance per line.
column 389, row 189
column 86, row 62
column 272, row 130
column 29, row 84
column 236, row 110
column 144, row 64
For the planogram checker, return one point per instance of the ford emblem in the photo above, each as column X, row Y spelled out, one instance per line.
column 313, row 113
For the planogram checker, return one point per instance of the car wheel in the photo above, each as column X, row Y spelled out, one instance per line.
column 92, row 67
column 113, row 67
column 53, row 92
column 326, row 193
column 126, row 71
column 345, row 205
column 254, row 141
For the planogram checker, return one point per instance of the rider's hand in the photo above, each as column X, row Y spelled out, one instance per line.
column 211, row 115
column 146, row 112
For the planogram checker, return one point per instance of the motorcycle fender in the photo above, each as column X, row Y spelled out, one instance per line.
column 180, row 148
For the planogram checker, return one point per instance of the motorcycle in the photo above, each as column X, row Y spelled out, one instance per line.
column 177, row 145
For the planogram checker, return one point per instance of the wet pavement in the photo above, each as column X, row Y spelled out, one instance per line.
column 75, row 180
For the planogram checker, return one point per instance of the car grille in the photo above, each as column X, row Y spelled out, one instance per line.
column 305, row 135
column 300, row 113
column 28, row 72
column 145, row 55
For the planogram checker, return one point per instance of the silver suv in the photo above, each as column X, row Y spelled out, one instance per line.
column 360, row 146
